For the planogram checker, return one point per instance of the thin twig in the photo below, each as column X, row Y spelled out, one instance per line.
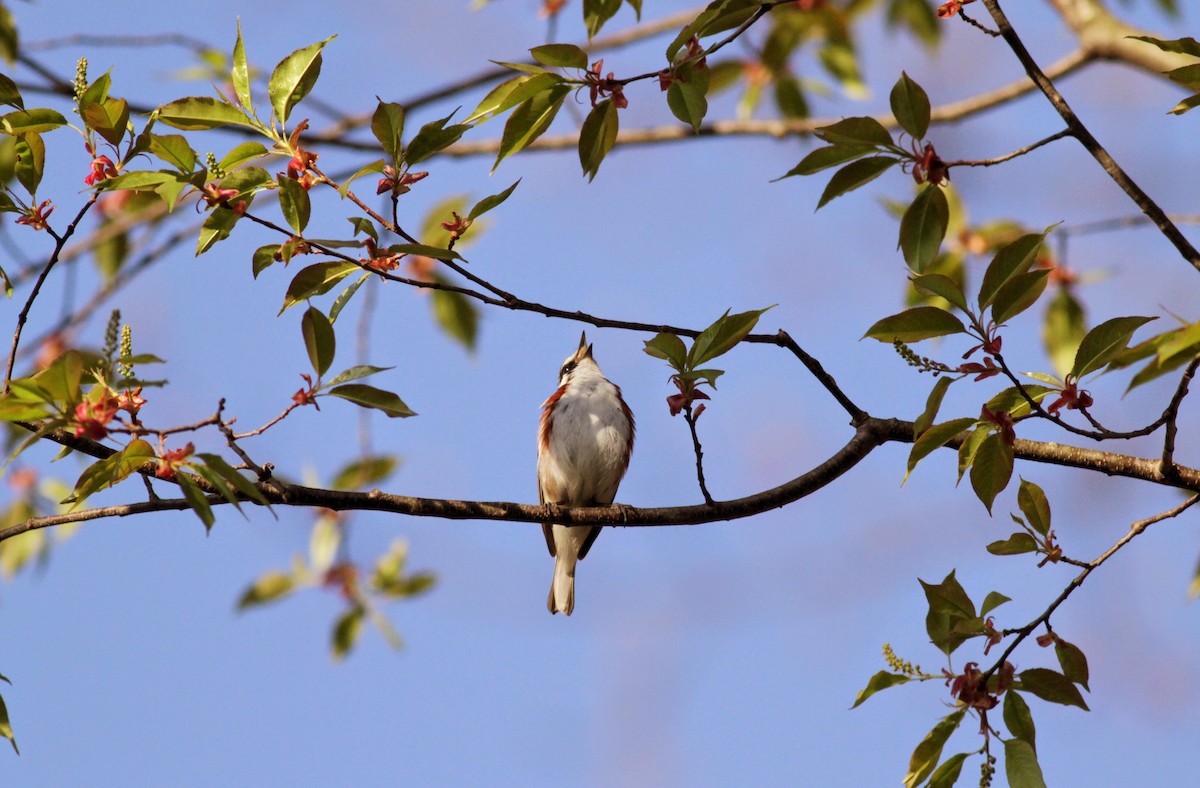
column 1171, row 416
column 691, row 422
column 1010, row 156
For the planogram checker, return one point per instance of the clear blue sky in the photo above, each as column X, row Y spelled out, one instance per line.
column 714, row 655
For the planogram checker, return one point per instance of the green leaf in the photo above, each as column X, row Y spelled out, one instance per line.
column 242, row 153
column 597, row 136
column 108, row 118
column 370, row 397
column 344, row 297
column 910, row 105
column 111, row 470
column 1018, row 294
column 993, row 600
column 1189, row 103
column 932, row 404
column 387, row 124
column 934, row 438
column 346, row 631
column 1188, row 76
column 356, row 373
column 457, row 316
column 315, row 280
column 991, row 469
column 789, row 97
column 364, row 472
column 530, row 120
column 433, row 137
column 856, row 174
column 942, row 286
column 925, row 757
column 10, row 94
column 323, row 544
column 1104, row 342
column 196, row 113
column 1034, row 506
column 946, row 775
column 239, row 75
column 1018, row 719
column 6, row 727
column 597, row 12
column 1181, row 46
column 1063, row 330
column 512, row 92
column 319, row 339
column 488, row 203
column 968, row 449
column 294, row 202
column 560, row 56
column 721, row 337
column 1010, row 400
column 197, row 500
column 923, row 227
column 948, row 606
column 1051, row 686
column 174, row 150
column 36, row 121
column 1073, row 662
column 824, row 158
column 233, row 478
column 688, row 103
column 668, row 347
column 263, row 258
column 1016, row 544
column 436, row 252
column 217, row 227
column 1021, row 765
column 31, row 161
column 1012, row 259
column 913, row 325
column 880, row 681
column 294, row 77
column 856, row 131
column 270, row 587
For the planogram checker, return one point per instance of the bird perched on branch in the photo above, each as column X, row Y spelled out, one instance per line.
column 584, row 443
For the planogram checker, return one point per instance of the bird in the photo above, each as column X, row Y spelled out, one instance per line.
column 585, row 439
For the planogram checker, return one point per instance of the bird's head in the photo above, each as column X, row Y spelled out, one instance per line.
column 579, row 362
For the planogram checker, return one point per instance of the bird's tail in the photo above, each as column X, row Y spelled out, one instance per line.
column 562, row 588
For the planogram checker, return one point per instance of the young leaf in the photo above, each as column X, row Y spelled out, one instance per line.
column 433, row 137
column 688, row 103
column 1012, row 259
column 174, row 150
column 270, row 587
column 830, row 156
column 948, row 606
column 1018, row 719
column 597, row 12
column 927, row 754
column 854, row 175
column 880, row 681
column 108, row 118
column 35, row 121
column 510, row 93
column 457, row 316
column 668, row 347
column 913, row 325
column 315, row 280
column 294, row 202
column 934, row 438
column 1063, row 329
column 946, row 775
column 1034, row 506
column 942, row 286
column 1051, row 686
column 319, row 339
column 1073, row 662
column 10, row 94
column 923, row 227
column 195, row 113
column 370, row 397
column 1104, row 342
column 719, row 338
column 346, row 631
column 6, row 730
column 1018, row 543
column 344, row 297
column 387, row 124
column 1018, row 294
column 488, row 203
column 197, row 500
column 239, row 75
column 364, row 472
column 423, row 250
column 993, row 600
column 294, row 77
column 560, row 56
column 1021, row 765
column 234, row 478
column 216, row 227
column 910, row 105
column 242, row 153
column 932, row 404
column 356, row 373
column 530, row 120
column 597, row 136
column 856, row 131
column 991, row 469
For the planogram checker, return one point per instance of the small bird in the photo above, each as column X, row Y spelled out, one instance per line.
column 584, row 442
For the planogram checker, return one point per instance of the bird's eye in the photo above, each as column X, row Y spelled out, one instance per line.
column 570, row 365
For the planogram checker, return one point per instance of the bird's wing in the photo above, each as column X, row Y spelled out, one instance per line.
column 546, row 529
column 587, row 541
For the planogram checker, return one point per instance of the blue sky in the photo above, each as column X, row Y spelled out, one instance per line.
column 713, row 655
